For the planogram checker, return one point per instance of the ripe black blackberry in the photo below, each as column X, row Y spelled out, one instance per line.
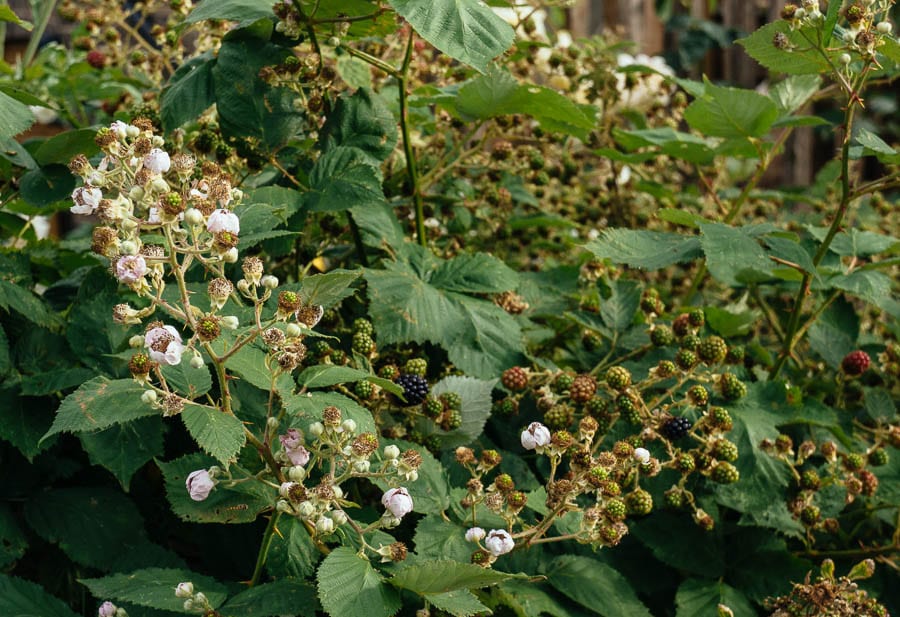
column 676, row 428
column 415, row 388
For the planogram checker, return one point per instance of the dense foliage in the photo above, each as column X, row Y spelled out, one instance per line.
column 369, row 308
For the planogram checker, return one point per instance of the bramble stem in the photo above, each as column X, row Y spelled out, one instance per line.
column 411, row 168
column 264, row 548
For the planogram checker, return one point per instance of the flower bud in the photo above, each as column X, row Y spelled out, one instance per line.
column 197, row 362
column 397, row 501
column 136, row 341
column 349, row 425
column 475, row 534
column 230, row 322
column 361, row 466
column 192, row 216
column 846, row 59
column 269, row 281
column 642, row 455
column 306, row 509
column 324, row 525
column 293, row 330
column 148, row 397
column 296, row 473
column 159, row 185
column 338, row 491
column 338, row 517
column 244, row 287
column 283, row 505
column 184, row 590
column 127, row 247
column 136, row 193
column 285, row 489
column 391, row 452
column 107, row 609
column 884, row 27
column 317, row 428
column 499, row 542
column 230, row 256
column 199, row 484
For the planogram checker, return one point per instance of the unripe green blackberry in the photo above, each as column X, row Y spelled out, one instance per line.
column 596, row 407
column 481, row 558
column 854, row 462
column 616, row 510
column 432, row 407
column 650, row 302
column 623, row 450
column 452, row 420
column 416, row 366
column 433, row 443
column 810, row 515
column 618, row 378
column 506, row 407
column 697, row 318
column 685, row 359
column 536, row 161
column 363, row 343
column 725, row 450
column 809, row 480
column 878, row 457
column 515, row 379
column 691, row 342
column 558, row 417
column 720, row 418
column 735, row 354
column 725, row 473
column 665, row 368
column 339, row 356
column 504, row 483
column 540, row 178
column 451, row 400
column 389, row 371
column 685, row 463
column 628, row 409
column 364, row 389
column 597, row 476
column 698, row 395
column 320, row 349
column 712, row 350
column 662, row 336
column 674, row 498
column 639, row 502
column 702, row 460
column 731, row 387
column 563, row 382
column 583, row 388
column 361, row 324
column 591, row 340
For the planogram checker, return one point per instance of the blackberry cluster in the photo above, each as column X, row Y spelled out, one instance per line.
column 415, row 388
column 676, row 428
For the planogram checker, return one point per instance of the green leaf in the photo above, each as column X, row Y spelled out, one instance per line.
column 292, row 552
column 124, row 448
column 247, row 106
column 792, row 93
column 250, row 364
column 44, row 186
column 735, row 319
column 22, row 301
column 187, row 380
column 378, row 225
column 499, row 94
column 324, row 375
column 618, row 311
column 873, row 142
column 431, row 491
column 190, row 91
column 430, row 577
column 344, row 178
column 350, row 587
column 792, row 251
column 880, row 405
column 796, row 62
column 595, row 586
column 243, row 11
column 438, row 539
column 528, row 598
column 466, row 30
column 475, row 273
column 649, row 250
column 221, row 435
column 475, row 408
column 98, row 404
column 699, row 597
column 239, row 504
column 856, row 243
column 489, row 339
column 677, row 541
column 330, row 288
column 307, row 408
column 357, row 73
column 459, row 603
column 60, row 149
column 283, row 597
column 19, row 598
column 16, row 117
column 732, row 255
column 834, row 334
column 155, row 588
column 23, row 424
column 731, row 112
column 12, row 540
column 686, row 146
column 361, row 121
column 7, row 15
column 869, row 285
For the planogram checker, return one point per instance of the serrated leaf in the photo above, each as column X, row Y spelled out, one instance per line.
column 595, row 586
column 466, row 30
column 869, row 285
column 7, row 15
column 330, row 288
column 60, row 149
column 760, row 47
column 16, row 117
column 292, row 552
column 680, row 543
column 20, row 598
column 354, row 71
column 12, row 540
column 649, row 250
column 474, row 273
column 155, row 588
column 438, row 539
column 350, row 587
column 249, row 362
column 459, row 603
column 239, row 504
column 324, row 375
column 791, row 251
column 880, row 405
column 430, row 577
column 283, row 597
column 124, row 448
column 733, row 256
column 243, row 11
column 792, row 93
column 307, row 408
column 22, row 424
column 189, row 93
column 699, row 597
column 489, row 341
column 186, row 380
column 857, row 243
column 873, row 142
column 475, row 409
column 618, row 311
column 22, row 301
column 344, row 178
column 361, row 121
column 530, row 598
column 731, row 113
column 833, row 335
column 221, row 435
column 54, row 381
column 98, row 404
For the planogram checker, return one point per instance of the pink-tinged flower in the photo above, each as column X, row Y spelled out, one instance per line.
column 131, row 268
column 119, row 129
column 475, row 534
column 107, row 609
column 199, row 484
column 164, row 344
column 157, row 161
column 535, row 436
column 184, row 590
column 292, row 443
column 499, row 542
column 223, row 220
column 398, row 502
column 642, row 455
column 86, row 199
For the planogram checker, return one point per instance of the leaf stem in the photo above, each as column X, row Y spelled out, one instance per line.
column 264, row 548
column 411, row 167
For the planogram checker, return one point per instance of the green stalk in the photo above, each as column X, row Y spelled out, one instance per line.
column 264, row 548
column 40, row 25
column 411, row 168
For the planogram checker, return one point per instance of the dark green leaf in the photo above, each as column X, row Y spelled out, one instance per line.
column 857, row 243
column 100, row 403
column 350, row 587
column 432, row 577
column 596, row 586
column 125, row 448
column 16, row 117
column 677, row 541
column 292, row 552
column 19, row 598
column 466, row 30
column 474, row 273
column 221, row 435
column 459, row 603
column 438, row 539
column 155, row 588
column 45, row 186
column 12, row 540
column 833, row 335
column 344, row 178
column 190, row 90
column 307, row 408
column 880, row 405
column 23, row 424
column 618, row 311
column 698, row 597
column 54, row 381
column 431, row 491
column 243, row 11
column 60, row 149
column 330, row 288
column 801, row 61
column 869, row 285
column 283, row 597
column 187, row 380
column 361, row 121
column 649, row 250
column 732, row 255
column 22, row 301
column 731, row 112
column 489, row 339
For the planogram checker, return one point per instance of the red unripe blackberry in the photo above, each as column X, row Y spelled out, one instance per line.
column 618, row 378
column 96, row 59
column 583, row 388
column 515, row 379
column 712, row 350
column 681, row 326
column 676, row 428
column 855, row 363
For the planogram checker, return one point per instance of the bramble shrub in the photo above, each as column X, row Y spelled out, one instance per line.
column 369, row 308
